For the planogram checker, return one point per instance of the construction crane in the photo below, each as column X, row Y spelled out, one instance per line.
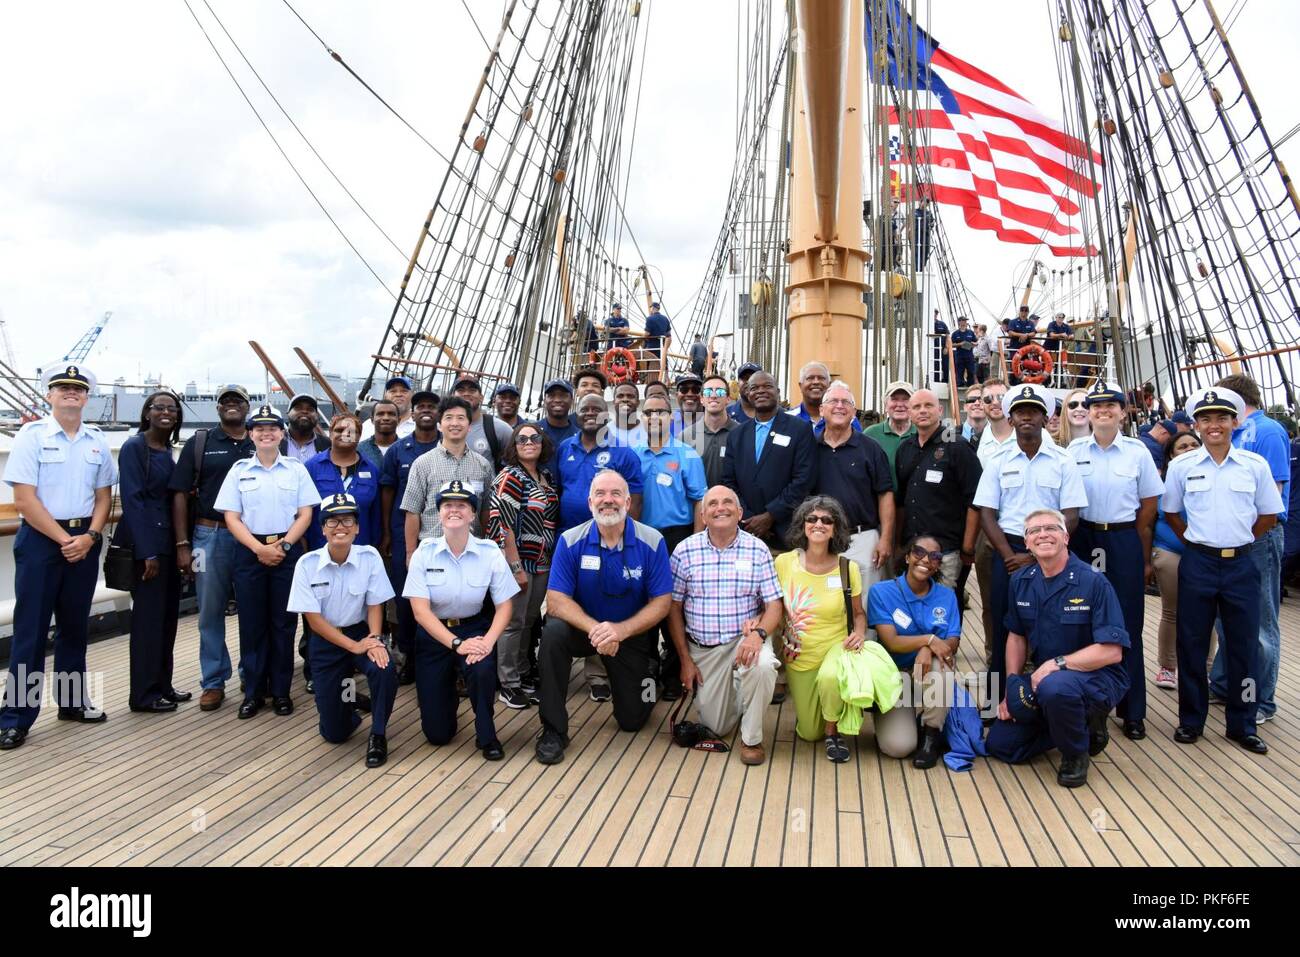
column 8, row 345
column 78, row 353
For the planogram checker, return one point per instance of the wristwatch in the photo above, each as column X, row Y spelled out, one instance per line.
column 95, row 536
column 286, row 546
column 1060, row 662
column 516, row 567
column 456, row 643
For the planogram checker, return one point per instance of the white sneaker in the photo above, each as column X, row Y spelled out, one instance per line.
column 1165, row 678
column 1262, row 718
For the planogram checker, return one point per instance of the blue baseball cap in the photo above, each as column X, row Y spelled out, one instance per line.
column 506, row 387
column 1021, row 701
column 1181, row 418
column 558, row 384
column 749, row 368
column 399, row 380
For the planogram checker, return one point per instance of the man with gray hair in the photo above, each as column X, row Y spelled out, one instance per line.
column 1064, row 618
column 854, row 470
column 814, row 381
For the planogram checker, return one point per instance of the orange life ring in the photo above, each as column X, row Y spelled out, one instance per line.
column 1035, row 360
column 619, row 366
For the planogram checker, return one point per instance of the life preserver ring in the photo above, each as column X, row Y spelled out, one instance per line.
column 1031, row 363
column 619, row 366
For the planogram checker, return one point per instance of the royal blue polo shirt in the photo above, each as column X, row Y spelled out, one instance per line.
column 1267, row 438
column 575, row 467
column 894, row 603
column 674, row 482
column 611, row 584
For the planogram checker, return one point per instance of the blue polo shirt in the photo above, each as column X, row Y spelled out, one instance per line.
column 575, row 467
column 674, row 481
column 1267, row 438
column 396, row 470
column 1022, row 326
column 934, row 613
column 737, row 412
column 656, row 327
column 362, row 484
column 611, row 584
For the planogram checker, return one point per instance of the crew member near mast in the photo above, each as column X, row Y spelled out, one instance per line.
column 616, row 328
column 963, row 351
column 1020, row 333
column 62, row 474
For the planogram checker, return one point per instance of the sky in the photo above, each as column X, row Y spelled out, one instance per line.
column 135, row 179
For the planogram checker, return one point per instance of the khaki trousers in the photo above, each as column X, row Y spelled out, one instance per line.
column 729, row 695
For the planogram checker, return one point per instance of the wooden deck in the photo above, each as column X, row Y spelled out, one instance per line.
column 194, row 788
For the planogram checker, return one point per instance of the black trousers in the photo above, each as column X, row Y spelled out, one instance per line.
column 668, row 663
column 155, row 606
column 631, row 679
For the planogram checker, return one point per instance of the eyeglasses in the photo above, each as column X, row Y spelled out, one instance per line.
column 848, row 402
column 528, row 440
column 820, row 520
column 920, row 554
column 1074, row 404
column 1044, row 530
column 347, row 521
column 714, row 392
column 688, row 390
column 655, row 412
column 155, row 407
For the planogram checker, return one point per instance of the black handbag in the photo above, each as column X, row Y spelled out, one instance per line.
column 119, row 559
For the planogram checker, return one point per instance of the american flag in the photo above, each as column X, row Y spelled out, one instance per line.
column 983, row 146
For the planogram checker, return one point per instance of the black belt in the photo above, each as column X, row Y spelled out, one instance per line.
column 79, row 525
column 270, row 539
column 1108, row 526
column 1236, row 552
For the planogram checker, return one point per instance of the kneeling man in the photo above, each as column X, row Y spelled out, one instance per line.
column 726, row 598
column 1064, row 615
column 341, row 588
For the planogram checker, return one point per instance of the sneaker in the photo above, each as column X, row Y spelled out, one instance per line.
column 550, row 747
column 837, row 749
column 599, row 693
column 513, row 698
column 1165, row 678
column 534, row 696
column 1262, row 718
column 531, row 681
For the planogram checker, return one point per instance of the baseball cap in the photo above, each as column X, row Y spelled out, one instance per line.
column 899, row 385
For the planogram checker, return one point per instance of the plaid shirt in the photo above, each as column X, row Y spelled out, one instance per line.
column 434, row 469
column 721, row 588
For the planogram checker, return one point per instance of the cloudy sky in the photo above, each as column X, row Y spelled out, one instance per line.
column 134, row 178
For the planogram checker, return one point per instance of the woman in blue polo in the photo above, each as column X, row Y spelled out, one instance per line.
column 918, row 621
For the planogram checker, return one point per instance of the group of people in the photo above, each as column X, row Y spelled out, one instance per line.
column 738, row 552
column 977, row 354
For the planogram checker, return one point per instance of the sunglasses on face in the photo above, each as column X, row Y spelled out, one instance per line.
column 1075, row 404
column 990, row 399
column 820, row 520
column 688, row 390
column 347, row 521
column 920, row 554
column 528, row 440
column 714, row 393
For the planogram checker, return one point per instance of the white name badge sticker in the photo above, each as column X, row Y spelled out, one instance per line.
column 591, row 563
column 901, row 618
column 477, row 487
column 744, row 565
column 780, row 439
column 363, row 475
column 933, row 476
column 663, row 478
column 722, row 451
column 834, row 582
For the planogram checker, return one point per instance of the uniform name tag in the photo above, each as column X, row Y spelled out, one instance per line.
column 833, row 582
column 363, row 475
column 779, row 439
column 477, row 487
column 663, row 478
column 320, row 584
column 1198, row 483
column 933, row 476
column 591, row 563
column 744, row 565
column 901, row 618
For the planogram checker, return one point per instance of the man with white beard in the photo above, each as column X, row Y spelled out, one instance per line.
column 610, row 585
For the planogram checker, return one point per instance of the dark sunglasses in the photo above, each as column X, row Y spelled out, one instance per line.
column 920, row 554
column 688, row 390
column 1077, row 403
column 820, row 520
column 528, row 440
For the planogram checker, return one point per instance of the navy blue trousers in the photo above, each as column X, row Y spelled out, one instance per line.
column 155, row 607
column 46, row 586
column 965, row 360
column 1123, row 566
column 436, row 667
column 266, row 627
column 999, row 586
column 1066, row 699
column 405, row 634
column 1227, row 589
column 334, row 668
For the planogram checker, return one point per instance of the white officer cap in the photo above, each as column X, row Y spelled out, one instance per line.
column 68, row 375
column 1215, row 399
column 1028, row 393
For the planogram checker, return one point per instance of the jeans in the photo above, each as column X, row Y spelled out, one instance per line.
column 1267, row 556
column 214, row 562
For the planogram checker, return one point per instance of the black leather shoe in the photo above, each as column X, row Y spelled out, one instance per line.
column 11, row 738
column 778, row 695
column 1098, row 734
column 1185, row 735
column 1251, row 742
column 1074, row 771
column 159, row 706
column 1135, row 730
column 178, row 696
column 376, row 750
column 926, row 755
column 363, row 703
column 282, row 706
column 84, row 715
column 550, row 746
column 250, row 707
column 492, row 751
column 406, row 674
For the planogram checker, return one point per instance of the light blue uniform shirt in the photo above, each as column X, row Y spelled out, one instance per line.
column 455, row 587
column 1221, row 501
column 1115, row 478
column 267, row 499
column 674, row 482
column 66, row 472
column 1015, row 485
column 340, row 593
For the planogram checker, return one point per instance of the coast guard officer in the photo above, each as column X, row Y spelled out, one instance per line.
column 341, row 588
column 1064, row 617
column 1116, row 527
column 1031, row 474
column 268, row 502
column 62, row 474
column 1231, row 500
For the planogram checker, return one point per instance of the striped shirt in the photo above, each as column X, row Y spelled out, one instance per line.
column 434, row 469
column 530, row 510
column 722, row 588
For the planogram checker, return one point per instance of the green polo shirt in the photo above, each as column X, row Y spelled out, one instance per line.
column 890, row 441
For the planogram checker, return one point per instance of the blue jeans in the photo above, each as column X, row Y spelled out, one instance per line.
column 214, row 560
column 1267, row 556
